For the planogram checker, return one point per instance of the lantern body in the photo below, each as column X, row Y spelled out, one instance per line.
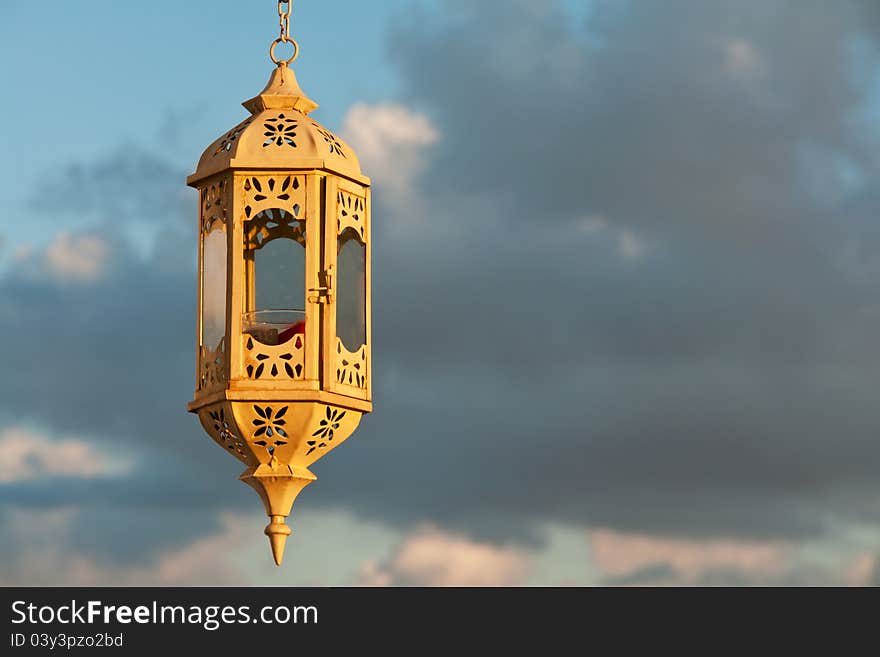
column 283, row 367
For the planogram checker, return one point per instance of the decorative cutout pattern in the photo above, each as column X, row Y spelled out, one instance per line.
column 285, row 362
column 351, row 368
column 213, row 205
column 331, row 139
column 270, row 428
column 272, row 223
column 287, row 193
column 232, row 136
column 225, row 436
column 212, row 366
column 351, row 213
column 280, row 131
column 328, row 426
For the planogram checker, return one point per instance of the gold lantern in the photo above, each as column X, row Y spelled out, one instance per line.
column 283, row 365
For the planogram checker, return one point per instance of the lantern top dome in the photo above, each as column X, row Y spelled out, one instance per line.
column 279, row 134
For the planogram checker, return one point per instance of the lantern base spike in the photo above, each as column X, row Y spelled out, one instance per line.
column 277, row 485
column 277, row 532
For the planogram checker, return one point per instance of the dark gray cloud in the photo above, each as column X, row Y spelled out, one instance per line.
column 719, row 385
column 112, row 361
column 528, row 367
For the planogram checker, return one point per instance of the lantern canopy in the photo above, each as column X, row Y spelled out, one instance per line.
column 283, row 342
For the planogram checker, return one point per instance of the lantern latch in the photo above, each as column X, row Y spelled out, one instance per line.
column 323, row 294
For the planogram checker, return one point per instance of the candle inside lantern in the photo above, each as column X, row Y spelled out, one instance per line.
column 274, row 327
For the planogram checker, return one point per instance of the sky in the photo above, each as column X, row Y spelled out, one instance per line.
column 626, row 293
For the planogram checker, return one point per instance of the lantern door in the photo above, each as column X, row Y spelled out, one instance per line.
column 346, row 350
column 280, row 236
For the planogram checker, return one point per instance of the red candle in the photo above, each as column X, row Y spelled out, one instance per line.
column 297, row 329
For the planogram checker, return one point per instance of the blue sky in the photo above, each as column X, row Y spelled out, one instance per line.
column 126, row 73
column 626, row 292
column 100, row 73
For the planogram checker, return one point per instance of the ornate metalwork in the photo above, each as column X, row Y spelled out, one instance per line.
column 278, row 408
column 275, row 362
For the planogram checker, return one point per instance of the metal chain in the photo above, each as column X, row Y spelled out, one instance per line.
column 284, row 22
column 284, row 19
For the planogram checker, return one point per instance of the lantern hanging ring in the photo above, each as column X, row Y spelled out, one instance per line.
column 292, row 58
column 284, row 23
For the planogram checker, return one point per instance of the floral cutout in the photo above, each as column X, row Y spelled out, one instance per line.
column 326, row 430
column 224, row 432
column 280, row 131
column 269, row 424
column 331, row 139
column 231, row 137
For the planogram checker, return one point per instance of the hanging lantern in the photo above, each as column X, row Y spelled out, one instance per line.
column 283, row 372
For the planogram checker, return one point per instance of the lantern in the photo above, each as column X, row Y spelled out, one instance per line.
column 283, row 339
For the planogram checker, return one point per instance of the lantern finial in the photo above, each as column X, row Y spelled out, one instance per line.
column 277, row 485
column 277, row 532
column 282, row 92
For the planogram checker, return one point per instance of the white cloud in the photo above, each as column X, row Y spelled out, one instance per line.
column 44, row 557
column 372, row 574
column 619, row 555
column 391, row 141
column 630, row 245
column 22, row 253
column 742, row 58
column 209, row 559
column 431, row 557
column 42, row 551
column 860, row 571
column 592, row 224
column 25, row 456
column 77, row 257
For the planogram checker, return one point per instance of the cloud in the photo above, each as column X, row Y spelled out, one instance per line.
column 861, row 571
column 66, row 258
column 25, row 456
column 45, row 548
column 608, row 292
column 391, row 141
column 742, row 58
column 205, row 560
column 385, row 133
column 718, row 390
column 630, row 558
column 77, row 258
column 652, row 560
column 431, row 557
column 43, row 556
column 630, row 245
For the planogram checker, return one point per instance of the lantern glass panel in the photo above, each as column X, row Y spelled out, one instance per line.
column 214, row 251
column 276, row 271
column 351, row 319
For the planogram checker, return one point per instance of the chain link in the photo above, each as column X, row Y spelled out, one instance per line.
column 284, row 19
column 284, row 7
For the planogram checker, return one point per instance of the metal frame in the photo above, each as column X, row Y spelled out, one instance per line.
column 280, row 418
